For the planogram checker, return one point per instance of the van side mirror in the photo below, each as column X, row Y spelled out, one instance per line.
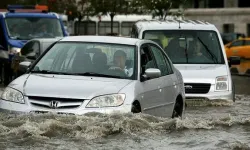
column 151, row 73
column 234, row 60
column 32, row 56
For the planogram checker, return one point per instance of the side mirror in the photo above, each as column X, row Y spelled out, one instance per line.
column 23, row 66
column 234, row 60
column 31, row 56
column 151, row 73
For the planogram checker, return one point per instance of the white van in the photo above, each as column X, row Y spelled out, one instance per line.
column 196, row 49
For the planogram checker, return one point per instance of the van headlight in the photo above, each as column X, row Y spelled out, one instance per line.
column 113, row 100
column 221, row 83
column 14, row 50
column 10, row 94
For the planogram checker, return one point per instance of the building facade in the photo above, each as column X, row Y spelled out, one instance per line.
column 228, row 15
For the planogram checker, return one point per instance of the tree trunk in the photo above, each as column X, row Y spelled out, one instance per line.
column 112, row 20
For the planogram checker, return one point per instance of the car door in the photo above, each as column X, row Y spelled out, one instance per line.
column 152, row 88
column 168, row 80
column 245, row 52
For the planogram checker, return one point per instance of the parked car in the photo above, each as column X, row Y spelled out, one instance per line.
column 196, row 49
column 99, row 74
column 30, row 52
column 240, row 47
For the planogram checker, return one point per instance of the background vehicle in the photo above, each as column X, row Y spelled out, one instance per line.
column 20, row 24
column 229, row 37
column 196, row 49
column 30, row 52
column 89, row 74
column 240, row 47
column 101, row 25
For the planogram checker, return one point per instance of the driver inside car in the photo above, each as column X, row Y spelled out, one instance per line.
column 120, row 61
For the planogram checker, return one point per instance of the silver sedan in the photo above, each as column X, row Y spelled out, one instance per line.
column 103, row 74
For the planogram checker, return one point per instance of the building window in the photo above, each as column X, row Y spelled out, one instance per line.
column 105, row 28
column 208, row 3
column 228, row 28
column 126, row 28
column 243, row 3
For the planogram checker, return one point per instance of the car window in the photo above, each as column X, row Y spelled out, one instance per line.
column 116, row 60
column 160, row 60
column 30, row 47
column 147, row 59
column 237, row 43
column 246, row 42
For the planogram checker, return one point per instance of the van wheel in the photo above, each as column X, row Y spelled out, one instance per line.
column 178, row 108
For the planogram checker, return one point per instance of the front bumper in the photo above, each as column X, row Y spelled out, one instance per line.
column 223, row 95
column 11, row 107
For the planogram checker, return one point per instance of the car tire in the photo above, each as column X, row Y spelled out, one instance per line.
column 178, row 110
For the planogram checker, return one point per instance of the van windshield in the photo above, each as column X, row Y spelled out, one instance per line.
column 26, row 28
column 188, row 47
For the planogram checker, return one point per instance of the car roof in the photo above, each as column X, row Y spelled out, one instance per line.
column 175, row 24
column 102, row 39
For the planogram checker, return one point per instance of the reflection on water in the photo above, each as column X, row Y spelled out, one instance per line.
column 203, row 127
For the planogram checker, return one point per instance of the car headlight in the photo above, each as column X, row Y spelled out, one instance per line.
column 113, row 100
column 10, row 94
column 221, row 83
column 14, row 50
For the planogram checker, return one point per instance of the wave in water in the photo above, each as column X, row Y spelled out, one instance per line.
column 95, row 125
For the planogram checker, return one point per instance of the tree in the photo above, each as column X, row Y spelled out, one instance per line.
column 111, row 7
column 161, row 7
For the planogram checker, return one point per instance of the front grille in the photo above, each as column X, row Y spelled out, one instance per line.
column 197, row 88
column 54, row 103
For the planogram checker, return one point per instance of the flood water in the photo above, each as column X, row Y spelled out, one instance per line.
column 212, row 126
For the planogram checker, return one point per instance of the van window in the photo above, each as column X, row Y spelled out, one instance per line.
column 189, row 47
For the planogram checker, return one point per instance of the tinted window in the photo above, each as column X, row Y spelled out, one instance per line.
column 160, row 60
column 79, row 58
column 189, row 47
column 33, row 27
column 237, row 43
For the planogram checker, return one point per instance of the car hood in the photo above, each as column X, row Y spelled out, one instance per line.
column 201, row 73
column 79, row 87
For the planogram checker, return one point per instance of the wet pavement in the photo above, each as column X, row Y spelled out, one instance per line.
column 213, row 126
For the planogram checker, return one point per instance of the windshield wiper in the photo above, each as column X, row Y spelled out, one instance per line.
column 96, row 75
column 49, row 72
column 209, row 51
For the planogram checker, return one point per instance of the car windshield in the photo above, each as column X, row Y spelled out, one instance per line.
column 31, row 27
column 89, row 59
column 188, row 47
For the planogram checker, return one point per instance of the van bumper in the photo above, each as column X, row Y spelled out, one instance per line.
column 225, row 95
